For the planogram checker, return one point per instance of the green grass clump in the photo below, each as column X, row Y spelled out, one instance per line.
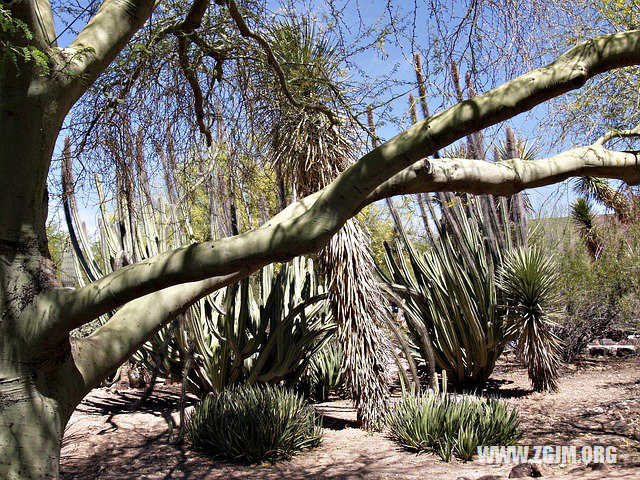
column 253, row 424
column 449, row 425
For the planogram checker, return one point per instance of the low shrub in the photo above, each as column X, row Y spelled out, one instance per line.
column 452, row 425
column 253, row 424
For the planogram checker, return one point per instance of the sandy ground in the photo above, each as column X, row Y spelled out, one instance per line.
column 598, row 404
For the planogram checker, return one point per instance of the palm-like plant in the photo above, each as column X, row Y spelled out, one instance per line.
column 529, row 281
column 310, row 151
column 598, row 189
column 583, row 216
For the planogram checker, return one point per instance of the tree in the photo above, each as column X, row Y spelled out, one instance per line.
column 310, row 151
column 44, row 373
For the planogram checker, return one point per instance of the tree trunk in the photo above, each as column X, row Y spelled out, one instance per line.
column 34, row 401
column 31, row 428
column 32, row 417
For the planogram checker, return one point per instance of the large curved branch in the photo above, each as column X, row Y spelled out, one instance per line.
column 509, row 177
column 99, row 42
column 611, row 134
column 98, row 355
column 472, row 176
column 309, row 231
column 102, row 352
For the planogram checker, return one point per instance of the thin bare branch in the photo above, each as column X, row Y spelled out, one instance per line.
column 198, row 99
column 611, row 134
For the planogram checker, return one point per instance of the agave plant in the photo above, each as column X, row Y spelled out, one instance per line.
column 254, row 424
column 583, row 216
column 241, row 337
column 451, row 291
column 457, row 291
column 452, row 425
column 324, row 373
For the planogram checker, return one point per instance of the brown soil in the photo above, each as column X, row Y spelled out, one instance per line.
column 598, row 404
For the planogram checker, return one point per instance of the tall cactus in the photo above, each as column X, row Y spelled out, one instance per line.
column 242, row 333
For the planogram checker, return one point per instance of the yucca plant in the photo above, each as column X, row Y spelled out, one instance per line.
column 253, row 424
column 598, row 189
column 583, row 216
column 529, row 280
column 452, row 425
column 309, row 149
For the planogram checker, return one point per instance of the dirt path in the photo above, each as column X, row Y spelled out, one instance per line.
column 598, row 404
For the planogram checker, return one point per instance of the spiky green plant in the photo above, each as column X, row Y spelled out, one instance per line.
column 529, row 281
column 324, row 373
column 253, row 331
column 253, row 424
column 242, row 336
column 453, row 292
column 452, row 425
column 583, row 216
column 310, row 150
column 598, row 189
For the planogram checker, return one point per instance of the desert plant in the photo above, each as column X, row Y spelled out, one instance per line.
column 452, row 425
column 254, row 424
column 599, row 296
column 257, row 330
column 529, row 281
column 324, row 373
column 310, row 149
column 453, row 292
column 622, row 202
column 584, row 218
column 244, row 336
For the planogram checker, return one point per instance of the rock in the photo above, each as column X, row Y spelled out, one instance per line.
column 136, row 377
column 525, row 470
column 578, row 469
column 492, row 477
column 598, row 466
column 463, row 478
